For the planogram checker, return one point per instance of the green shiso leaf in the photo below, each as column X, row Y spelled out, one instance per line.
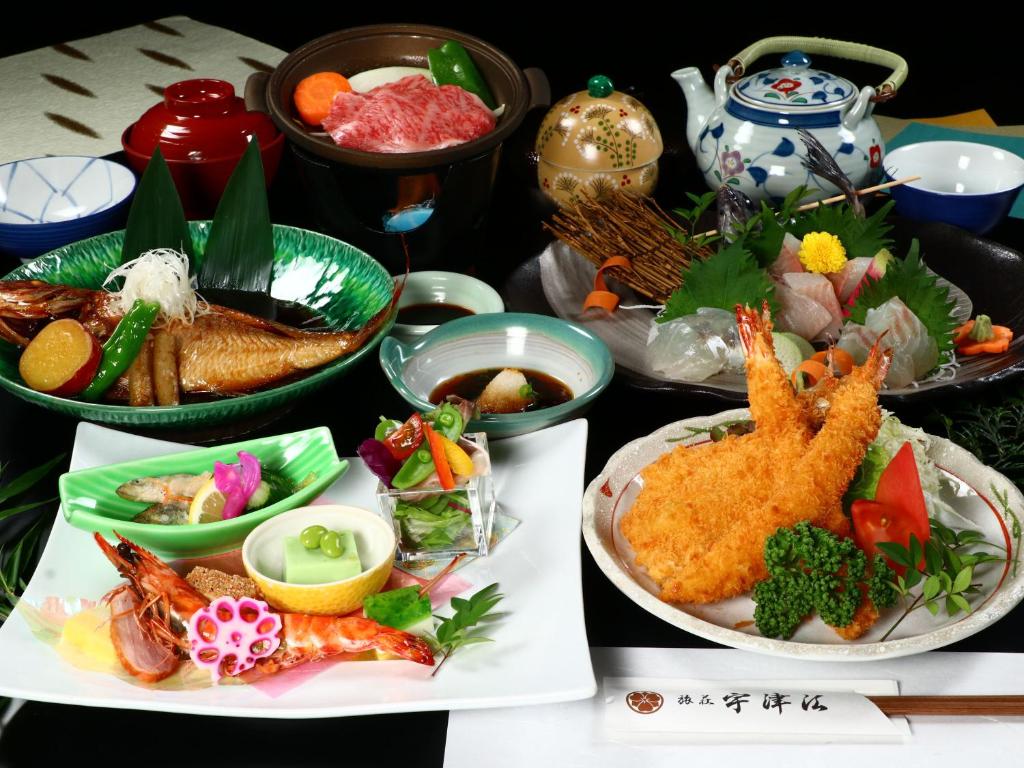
column 156, row 218
column 723, row 280
column 240, row 252
column 916, row 287
column 860, row 237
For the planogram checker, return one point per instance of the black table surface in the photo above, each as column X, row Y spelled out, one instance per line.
column 29, row 435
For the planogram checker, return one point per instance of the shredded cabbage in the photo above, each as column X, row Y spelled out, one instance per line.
column 160, row 275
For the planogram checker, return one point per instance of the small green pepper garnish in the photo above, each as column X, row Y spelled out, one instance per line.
column 122, row 347
column 415, row 470
column 451, row 65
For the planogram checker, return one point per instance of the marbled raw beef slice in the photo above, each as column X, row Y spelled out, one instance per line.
column 410, row 115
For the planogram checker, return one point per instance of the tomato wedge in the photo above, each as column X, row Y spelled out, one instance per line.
column 402, row 442
column 897, row 511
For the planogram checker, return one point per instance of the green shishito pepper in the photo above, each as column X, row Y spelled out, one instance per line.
column 451, row 65
column 415, row 470
column 122, row 347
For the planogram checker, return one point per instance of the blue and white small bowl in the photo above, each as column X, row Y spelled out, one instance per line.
column 48, row 202
column 566, row 351
column 972, row 186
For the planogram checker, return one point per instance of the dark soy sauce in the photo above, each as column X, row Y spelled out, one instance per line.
column 547, row 390
column 433, row 313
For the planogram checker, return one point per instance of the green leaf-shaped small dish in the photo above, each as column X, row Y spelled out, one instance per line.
column 89, row 497
column 337, row 280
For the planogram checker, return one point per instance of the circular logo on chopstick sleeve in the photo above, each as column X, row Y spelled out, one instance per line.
column 644, row 702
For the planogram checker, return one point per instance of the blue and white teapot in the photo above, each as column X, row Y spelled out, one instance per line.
column 744, row 132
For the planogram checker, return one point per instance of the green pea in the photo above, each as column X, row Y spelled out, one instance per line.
column 311, row 536
column 330, row 544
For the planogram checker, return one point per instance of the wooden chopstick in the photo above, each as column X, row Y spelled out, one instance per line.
column 441, row 574
column 837, row 198
column 949, row 705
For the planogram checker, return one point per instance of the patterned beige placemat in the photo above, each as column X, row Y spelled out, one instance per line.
column 77, row 98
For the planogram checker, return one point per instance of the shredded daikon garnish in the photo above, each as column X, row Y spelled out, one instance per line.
column 160, row 275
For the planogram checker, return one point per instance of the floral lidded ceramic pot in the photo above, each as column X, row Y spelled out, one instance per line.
column 745, row 131
column 595, row 142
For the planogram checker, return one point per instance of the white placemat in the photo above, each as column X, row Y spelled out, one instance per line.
column 77, row 98
column 569, row 735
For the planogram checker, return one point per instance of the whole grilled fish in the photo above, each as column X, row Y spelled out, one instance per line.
column 223, row 351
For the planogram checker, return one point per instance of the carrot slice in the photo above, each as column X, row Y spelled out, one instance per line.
column 601, row 297
column 812, row 371
column 999, row 343
column 315, row 94
column 963, row 332
column 842, row 360
column 444, row 470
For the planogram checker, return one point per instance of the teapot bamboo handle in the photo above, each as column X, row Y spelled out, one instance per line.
column 825, row 47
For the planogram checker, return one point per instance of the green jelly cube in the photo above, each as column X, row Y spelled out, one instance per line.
column 311, row 566
column 399, row 608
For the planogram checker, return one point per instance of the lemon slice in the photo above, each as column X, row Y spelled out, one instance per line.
column 207, row 505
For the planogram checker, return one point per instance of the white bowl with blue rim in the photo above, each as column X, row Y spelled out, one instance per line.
column 434, row 287
column 969, row 185
column 563, row 350
column 48, row 202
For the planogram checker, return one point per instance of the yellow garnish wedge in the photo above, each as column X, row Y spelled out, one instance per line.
column 207, row 505
column 458, row 459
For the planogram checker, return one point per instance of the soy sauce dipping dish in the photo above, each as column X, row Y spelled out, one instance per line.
column 969, row 185
column 450, row 288
column 563, row 350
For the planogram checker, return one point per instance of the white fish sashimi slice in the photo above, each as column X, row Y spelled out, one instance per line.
column 818, row 288
column 799, row 314
column 788, row 259
column 848, row 278
column 914, row 352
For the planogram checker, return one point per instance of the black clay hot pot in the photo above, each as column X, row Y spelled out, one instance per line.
column 352, row 193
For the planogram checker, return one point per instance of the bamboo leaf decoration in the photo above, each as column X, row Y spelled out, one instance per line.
column 156, row 218
column 240, row 251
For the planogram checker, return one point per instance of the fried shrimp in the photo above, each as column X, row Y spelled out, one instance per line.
column 700, row 522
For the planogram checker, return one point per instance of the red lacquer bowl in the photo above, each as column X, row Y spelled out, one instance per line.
column 202, row 129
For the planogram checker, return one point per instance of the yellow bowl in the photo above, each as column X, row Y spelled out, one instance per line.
column 263, row 557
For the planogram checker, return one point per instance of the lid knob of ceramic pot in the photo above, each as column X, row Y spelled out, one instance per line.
column 796, row 59
column 201, row 98
column 600, row 86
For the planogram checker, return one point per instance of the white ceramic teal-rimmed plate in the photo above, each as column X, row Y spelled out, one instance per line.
column 972, row 492
column 566, row 351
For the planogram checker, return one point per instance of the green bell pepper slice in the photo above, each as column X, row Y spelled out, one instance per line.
column 451, row 65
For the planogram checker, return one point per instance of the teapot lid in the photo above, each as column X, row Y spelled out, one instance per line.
column 794, row 86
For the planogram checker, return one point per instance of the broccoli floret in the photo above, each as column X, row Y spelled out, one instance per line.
column 881, row 591
column 811, row 570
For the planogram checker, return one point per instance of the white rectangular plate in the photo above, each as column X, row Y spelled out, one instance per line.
column 539, row 654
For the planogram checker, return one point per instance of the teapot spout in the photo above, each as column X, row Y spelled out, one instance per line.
column 700, row 101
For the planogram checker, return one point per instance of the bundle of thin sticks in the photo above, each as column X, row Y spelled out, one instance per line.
column 623, row 225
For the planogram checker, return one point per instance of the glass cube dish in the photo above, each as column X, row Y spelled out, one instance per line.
column 438, row 524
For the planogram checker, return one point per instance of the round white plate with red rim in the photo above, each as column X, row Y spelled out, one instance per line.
column 974, row 492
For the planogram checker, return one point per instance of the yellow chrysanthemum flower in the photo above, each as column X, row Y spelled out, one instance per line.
column 822, row 252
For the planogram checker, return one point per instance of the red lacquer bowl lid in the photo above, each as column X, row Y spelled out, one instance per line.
column 199, row 120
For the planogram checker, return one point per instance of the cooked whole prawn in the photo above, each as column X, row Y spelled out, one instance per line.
column 151, row 611
column 699, row 525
